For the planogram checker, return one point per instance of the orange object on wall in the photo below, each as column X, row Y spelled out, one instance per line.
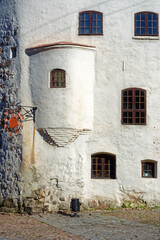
column 13, row 122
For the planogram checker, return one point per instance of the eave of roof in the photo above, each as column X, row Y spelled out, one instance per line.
column 45, row 47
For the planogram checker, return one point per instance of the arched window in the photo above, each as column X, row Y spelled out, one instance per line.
column 57, row 78
column 134, row 106
column 149, row 169
column 146, row 24
column 103, row 166
column 90, row 23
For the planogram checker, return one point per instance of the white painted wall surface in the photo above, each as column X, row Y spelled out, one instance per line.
column 43, row 22
column 69, row 107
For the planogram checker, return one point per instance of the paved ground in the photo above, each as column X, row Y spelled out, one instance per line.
column 104, row 225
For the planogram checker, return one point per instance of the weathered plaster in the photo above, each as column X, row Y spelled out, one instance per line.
column 91, row 100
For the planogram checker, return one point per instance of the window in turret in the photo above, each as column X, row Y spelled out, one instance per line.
column 146, row 24
column 57, row 78
column 90, row 23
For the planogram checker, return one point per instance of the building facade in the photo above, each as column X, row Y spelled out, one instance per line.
column 82, row 80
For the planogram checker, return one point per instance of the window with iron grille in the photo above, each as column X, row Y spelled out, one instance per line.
column 103, row 166
column 149, row 169
column 57, row 78
column 134, row 106
column 90, row 23
column 146, row 24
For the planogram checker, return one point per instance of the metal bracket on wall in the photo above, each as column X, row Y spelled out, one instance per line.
column 28, row 112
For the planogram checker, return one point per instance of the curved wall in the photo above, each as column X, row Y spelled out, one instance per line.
column 69, row 107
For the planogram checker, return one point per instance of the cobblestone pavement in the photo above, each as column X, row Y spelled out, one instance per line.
column 99, row 226
column 17, row 227
column 89, row 225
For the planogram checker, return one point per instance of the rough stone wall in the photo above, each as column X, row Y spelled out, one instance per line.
column 11, row 151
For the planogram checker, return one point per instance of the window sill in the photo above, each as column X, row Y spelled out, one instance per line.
column 146, row 37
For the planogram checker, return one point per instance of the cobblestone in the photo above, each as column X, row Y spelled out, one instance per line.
column 98, row 225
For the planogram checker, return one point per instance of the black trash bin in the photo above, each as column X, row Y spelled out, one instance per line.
column 75, row 205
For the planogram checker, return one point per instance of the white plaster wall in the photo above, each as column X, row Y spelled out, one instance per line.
column 72, row 106
column 43, row 22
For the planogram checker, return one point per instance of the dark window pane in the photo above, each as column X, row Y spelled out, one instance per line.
column 137, row 120
column 137, row 93
column 142, row 105
column 86, row 16
column 138, row 31
column 86, row 31
column 125, row 114
column 82, row 30
column 87, row 24
column 143, row 16
column 142, row 24
column 150, row 32
column 99, row 174
column 155, row 31
column 138, row 24
column 93, row 167
column 99, row 167
column 130, row 120
column 125, row 106
column 130, row 114
column 130, row 93
column 99, row 24
column 99, row 160
column 125, row 99
column 99, row 31
column 143, row 31
column 142, row 114
column 150, row 24
column 130, row 106
column 94, row 30
column 154, row 17
column 137, row 114
column 137, row 105
column 124, row 93
column 130, row 99
column 124, row 120
column 154, row 24
column 107, row 175
column 138, row 17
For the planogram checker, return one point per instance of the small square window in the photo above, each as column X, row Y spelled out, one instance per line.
column 149, row 169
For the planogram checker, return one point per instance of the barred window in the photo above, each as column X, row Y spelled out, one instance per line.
column 146, row 24
column 134, row 106
column 103, row 166
column 90, row 23
column 57, row 78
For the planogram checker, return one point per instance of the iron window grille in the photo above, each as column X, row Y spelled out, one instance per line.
column 90, row 23
column 146, row 24
column 57, row 78
column 103, row 166
column 134, row 106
